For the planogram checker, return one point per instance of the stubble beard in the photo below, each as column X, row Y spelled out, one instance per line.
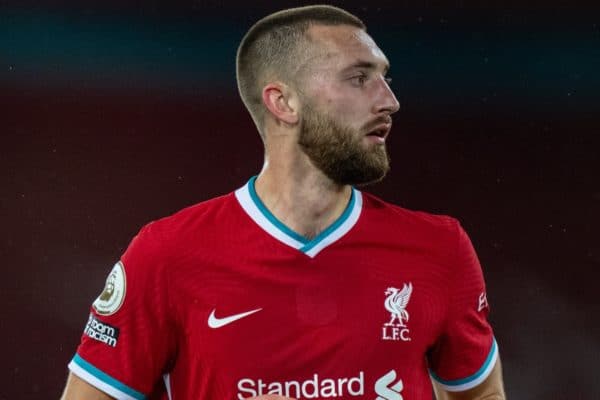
column 339, row 152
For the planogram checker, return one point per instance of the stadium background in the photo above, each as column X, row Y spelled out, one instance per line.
column 116, row 114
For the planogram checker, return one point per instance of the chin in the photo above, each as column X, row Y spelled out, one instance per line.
column 371, row 181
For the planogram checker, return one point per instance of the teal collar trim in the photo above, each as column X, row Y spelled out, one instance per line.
column 269, row 215
column 256, row 209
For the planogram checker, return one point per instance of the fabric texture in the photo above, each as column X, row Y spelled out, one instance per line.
column 219, row 307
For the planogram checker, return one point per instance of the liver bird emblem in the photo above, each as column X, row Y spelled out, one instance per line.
column 396, row 302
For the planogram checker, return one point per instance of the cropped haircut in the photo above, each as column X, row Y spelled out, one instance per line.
column 274, row 47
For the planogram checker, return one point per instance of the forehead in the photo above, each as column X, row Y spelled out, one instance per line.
column 343, row 44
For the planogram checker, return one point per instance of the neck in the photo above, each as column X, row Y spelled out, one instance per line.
column 299, row 195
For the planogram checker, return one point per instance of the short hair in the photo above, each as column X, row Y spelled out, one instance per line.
column 271, row 47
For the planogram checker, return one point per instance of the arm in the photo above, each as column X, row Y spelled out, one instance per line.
column 132, row 312
column 77, row 388
column 490, row 389
column 460, row 369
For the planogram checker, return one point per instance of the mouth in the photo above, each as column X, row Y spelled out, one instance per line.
column 380, row 133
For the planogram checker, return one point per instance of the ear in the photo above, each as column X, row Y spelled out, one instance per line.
column 281, row 101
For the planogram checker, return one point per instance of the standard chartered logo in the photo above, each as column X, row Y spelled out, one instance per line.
column 386, row 389
column 316, row 387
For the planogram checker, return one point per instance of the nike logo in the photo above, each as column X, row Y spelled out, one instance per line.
column 214, row 322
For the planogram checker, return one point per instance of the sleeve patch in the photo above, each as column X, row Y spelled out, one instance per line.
column 111, row 298
column 470, row 382
column 103, row 381
column 101, row 331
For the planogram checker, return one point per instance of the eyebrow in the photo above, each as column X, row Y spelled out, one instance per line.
column 367, row 65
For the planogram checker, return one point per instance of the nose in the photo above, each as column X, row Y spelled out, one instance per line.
column 386, row 100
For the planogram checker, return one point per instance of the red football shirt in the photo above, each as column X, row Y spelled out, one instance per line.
column 222, row 301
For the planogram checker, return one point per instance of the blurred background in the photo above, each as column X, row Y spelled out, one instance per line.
column 113, row 114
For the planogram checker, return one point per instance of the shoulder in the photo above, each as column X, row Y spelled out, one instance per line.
column 429, row 236
column 436, row 236
column 205, row 212
column 386, row 213
column 190, row 223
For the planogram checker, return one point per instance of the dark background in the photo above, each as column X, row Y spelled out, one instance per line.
column 116, row 114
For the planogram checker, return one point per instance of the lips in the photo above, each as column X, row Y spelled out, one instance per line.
column 378, row 128
column 381, row 130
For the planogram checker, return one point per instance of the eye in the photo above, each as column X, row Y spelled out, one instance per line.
column 359, row 80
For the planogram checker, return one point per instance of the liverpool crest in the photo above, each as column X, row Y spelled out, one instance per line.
column 395, row 303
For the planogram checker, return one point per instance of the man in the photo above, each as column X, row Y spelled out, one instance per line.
column 297, row 284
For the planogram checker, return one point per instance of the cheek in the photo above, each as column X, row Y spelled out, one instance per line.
column 348, row 101
column 350, row 114
column 347, row 108
column 342, row 103
column 337, row 96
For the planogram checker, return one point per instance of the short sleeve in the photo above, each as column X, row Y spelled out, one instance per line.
column 128, row 340
column 466, row 351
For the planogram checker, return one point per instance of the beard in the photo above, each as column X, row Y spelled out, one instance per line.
column 339, row 152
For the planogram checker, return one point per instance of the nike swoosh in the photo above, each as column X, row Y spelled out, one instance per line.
column 214, row 322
